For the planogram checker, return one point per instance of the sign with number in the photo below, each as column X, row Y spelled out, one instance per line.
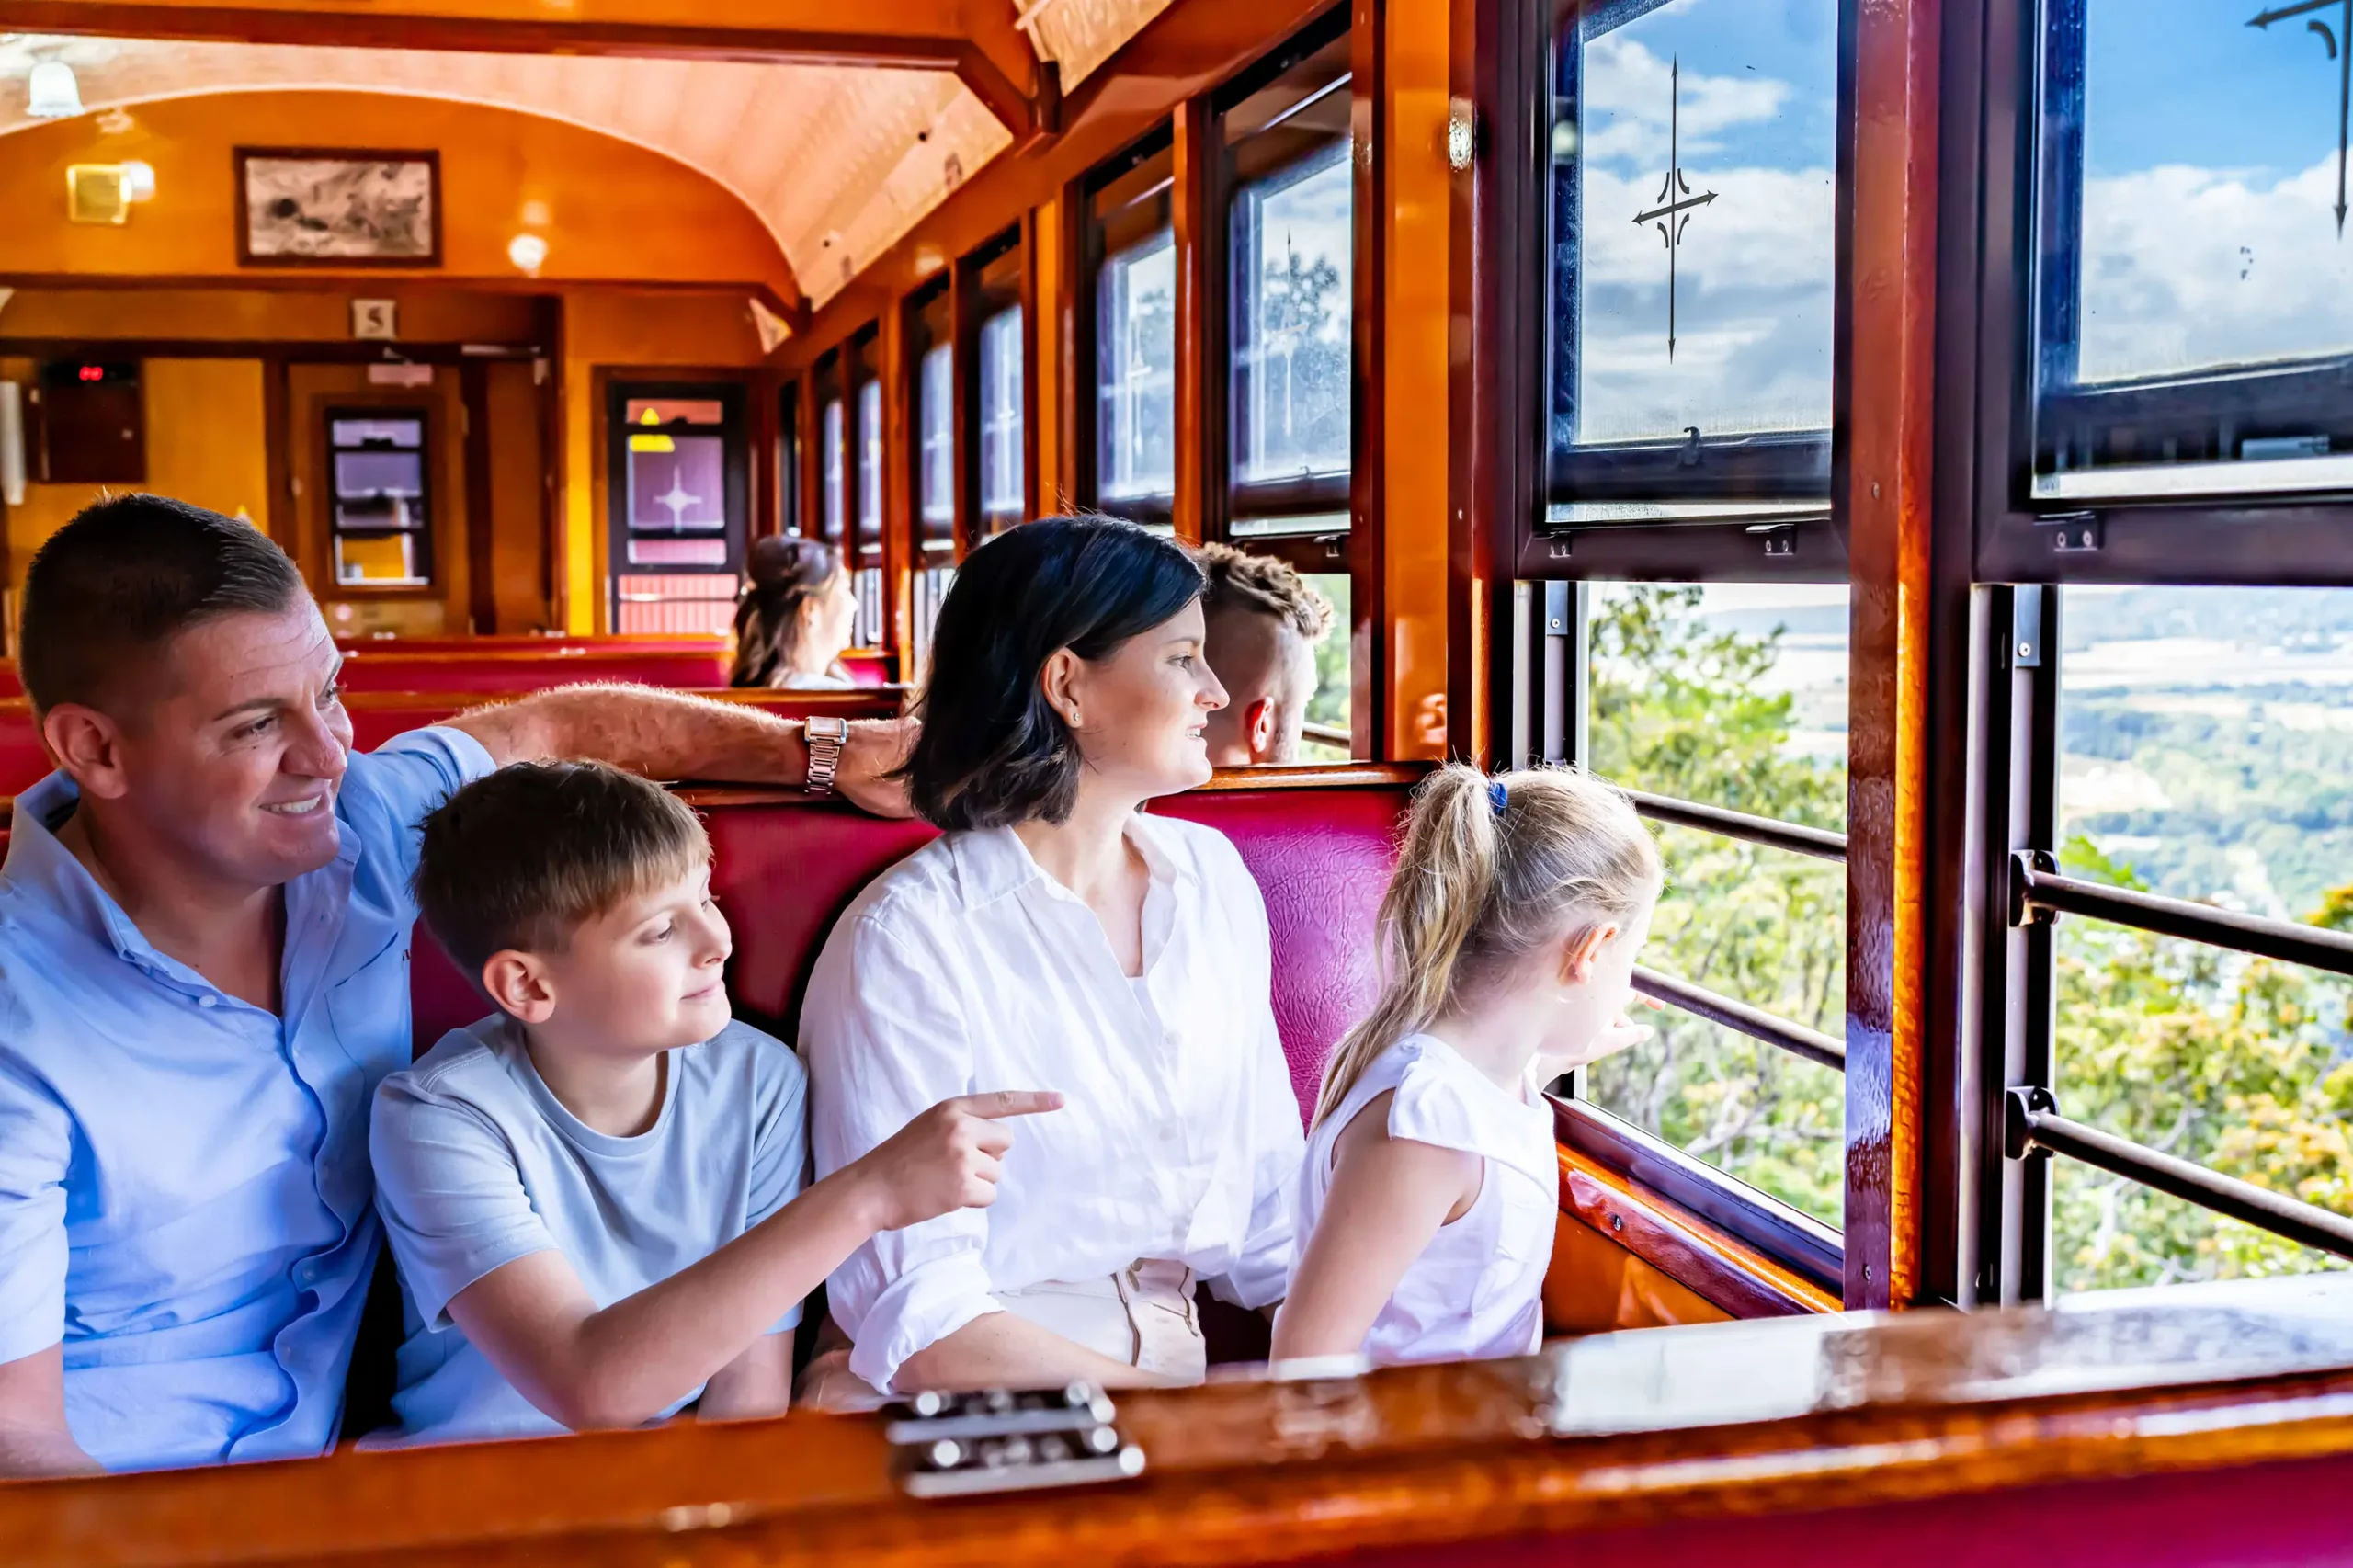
column 375, row 319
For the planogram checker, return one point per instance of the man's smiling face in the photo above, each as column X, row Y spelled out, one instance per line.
column 236, row 750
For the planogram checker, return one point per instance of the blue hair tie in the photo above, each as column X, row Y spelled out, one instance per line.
column 1497, row 796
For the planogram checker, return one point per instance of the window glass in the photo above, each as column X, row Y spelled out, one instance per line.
column 788, row 459
column 1328, row 716
column 2206, row 743
column 936, row 397
column 836, row 520
column 870, row 466
column 1735, row 696
column 2194, row 277
column 1136, row 370
column 1002, row 480
column 1135, row 332
column 1291, row 242
column 1693, row 150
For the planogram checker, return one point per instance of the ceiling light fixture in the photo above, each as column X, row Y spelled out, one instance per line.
column 527, row 252
column 50, row 91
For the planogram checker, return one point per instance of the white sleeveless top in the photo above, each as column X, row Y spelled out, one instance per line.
column 1476, row 1290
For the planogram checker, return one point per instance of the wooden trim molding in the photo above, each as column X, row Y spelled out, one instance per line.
column 1685, row 1248
column 1604, row 1432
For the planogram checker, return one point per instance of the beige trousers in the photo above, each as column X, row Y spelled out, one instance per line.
column 1143, row 1315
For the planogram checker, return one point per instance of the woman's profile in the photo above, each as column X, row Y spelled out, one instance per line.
column 795, row 617
column 1058, row 936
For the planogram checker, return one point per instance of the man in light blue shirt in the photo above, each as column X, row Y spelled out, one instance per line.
column 205, row 921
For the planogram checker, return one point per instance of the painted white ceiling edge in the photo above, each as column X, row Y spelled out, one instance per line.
column 836, row 161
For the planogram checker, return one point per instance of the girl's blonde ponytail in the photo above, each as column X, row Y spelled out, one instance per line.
column 1490, row 871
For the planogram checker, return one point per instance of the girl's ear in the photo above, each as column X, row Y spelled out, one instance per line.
column 1580, row 952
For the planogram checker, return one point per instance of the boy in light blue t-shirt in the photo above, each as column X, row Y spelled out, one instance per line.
column 594, row 1194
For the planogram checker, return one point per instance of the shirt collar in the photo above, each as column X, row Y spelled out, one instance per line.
column 41, row 871
column 992, row 862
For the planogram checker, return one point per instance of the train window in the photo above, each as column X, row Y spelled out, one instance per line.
column 932, row 318
column 2193, row 304
column 1290, row 251
column 1732, row 697
column 865, row 552
column 832, row 520
column 1133, row 246
column 996, row 274
column 380, row 520
column 1001, row 465
column 2204, row 735
column 679, row 494
column 788, row 464
column 1692, row 269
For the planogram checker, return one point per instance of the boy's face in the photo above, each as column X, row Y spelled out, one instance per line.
column 644, row 976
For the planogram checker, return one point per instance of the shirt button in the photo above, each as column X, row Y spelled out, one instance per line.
column 207, row 1001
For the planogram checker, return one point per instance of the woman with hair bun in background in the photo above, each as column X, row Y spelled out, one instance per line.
column 795, row 618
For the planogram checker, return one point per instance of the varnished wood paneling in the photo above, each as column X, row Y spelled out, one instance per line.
column 1882, row 456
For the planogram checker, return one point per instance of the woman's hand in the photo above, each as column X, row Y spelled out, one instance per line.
column 874, row 750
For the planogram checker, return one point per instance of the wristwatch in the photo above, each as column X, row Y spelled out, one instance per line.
column 824, row 737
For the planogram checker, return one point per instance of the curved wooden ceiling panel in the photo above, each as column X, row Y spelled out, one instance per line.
column 838, row 161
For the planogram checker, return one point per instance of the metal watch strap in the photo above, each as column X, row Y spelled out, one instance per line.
column 825, row 738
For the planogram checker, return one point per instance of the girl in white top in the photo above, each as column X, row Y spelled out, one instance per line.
column 1430, row 1188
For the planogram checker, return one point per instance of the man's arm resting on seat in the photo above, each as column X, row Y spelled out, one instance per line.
column 669, row 735
column 34, row 1438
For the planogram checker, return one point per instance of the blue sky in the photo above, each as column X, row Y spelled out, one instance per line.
column 2188, row 82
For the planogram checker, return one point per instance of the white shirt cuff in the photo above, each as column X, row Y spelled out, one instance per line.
column 918, row 1310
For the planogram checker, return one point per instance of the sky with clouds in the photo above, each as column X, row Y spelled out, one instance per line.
column 2209, row 231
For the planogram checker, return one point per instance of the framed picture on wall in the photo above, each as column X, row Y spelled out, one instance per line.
column 338, row 207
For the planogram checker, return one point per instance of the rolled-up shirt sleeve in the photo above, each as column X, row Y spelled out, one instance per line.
column 36, row 1146
column 1261, row 1271
column 885, row 1040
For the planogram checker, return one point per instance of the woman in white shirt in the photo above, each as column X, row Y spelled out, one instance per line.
column 797, row 615
column 1057, row 937
column 1430, row 1190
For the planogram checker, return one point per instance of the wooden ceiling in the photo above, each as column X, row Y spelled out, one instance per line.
column 838, row 143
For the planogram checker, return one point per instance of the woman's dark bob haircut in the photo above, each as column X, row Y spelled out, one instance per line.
column 991, row 751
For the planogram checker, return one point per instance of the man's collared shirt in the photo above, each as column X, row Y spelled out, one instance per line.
column 184, row 1193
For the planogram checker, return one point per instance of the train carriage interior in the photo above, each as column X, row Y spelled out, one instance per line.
column 1917, row 486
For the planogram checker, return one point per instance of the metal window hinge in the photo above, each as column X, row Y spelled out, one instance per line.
column 961, row 1445
column 2022, row 911
column 2019, row 1107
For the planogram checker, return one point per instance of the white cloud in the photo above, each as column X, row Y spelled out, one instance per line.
column 2187, row 267
column 1628, row 91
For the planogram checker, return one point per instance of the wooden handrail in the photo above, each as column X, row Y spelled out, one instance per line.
column 1790, row 1415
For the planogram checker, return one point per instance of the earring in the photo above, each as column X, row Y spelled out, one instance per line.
column 1074, row 718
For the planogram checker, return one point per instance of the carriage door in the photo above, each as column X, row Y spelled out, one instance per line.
column 678, row 494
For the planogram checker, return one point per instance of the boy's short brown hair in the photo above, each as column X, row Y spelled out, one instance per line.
column 521, row 858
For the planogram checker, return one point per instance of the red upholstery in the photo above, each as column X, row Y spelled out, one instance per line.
column 519, row 671
column 23, row 762
column 785, row 871
column 11, row 684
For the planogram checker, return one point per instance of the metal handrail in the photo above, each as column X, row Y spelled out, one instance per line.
column 2032, row 1124
column 1797, row 839
column 2035, row 884
column 1739, row 1016
column 1329, row 734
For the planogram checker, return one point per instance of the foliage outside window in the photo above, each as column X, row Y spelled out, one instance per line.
column 1720, row 708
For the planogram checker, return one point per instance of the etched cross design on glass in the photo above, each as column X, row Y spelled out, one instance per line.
column 1677, row 203
column 2339, row 44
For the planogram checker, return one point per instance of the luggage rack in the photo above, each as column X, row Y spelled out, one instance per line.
column 964, row 1445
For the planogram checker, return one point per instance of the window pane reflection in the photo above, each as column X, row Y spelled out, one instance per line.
column 1136, row 370
column 1292, row 306
column 1002, row 480
column 836, row 498
column 870, row 466
column 1693, row 150
column 936, row 396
